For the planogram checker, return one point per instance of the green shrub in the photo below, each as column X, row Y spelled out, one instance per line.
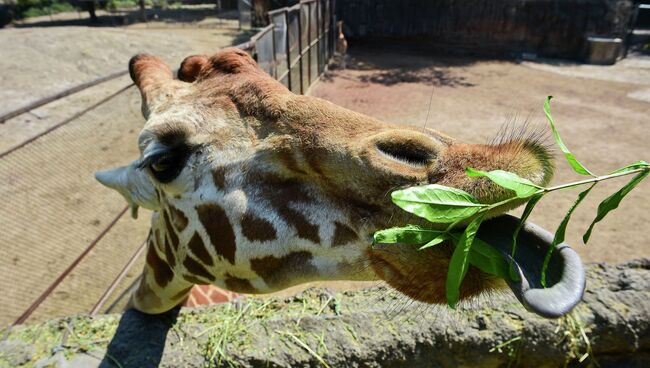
column 61, row 7
column 33, row 12
column 36, row 8
column 121, row 4
column 162, row 4
column 129, row 4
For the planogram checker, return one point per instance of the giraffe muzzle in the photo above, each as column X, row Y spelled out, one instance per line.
column 133, row 184
column 565, row 275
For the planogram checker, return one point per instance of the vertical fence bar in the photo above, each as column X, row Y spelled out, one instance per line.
column 273, row 60
column 309, row 44
column 319, row 33
column 312, row 30
column 333, row 35
column 300, row 47
column 288, row 49
column 313, row 41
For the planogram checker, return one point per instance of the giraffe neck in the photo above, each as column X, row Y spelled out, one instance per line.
column 253, row 239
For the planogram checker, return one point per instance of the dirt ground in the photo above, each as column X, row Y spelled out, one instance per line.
column 40, row 61
column 53, row 208
column 602, row 113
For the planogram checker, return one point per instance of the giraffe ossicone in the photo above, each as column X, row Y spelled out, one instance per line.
column 255, row 189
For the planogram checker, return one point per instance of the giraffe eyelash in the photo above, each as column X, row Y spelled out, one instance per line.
column 170, row 160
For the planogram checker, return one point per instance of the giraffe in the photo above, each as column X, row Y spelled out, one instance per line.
column 255, row 189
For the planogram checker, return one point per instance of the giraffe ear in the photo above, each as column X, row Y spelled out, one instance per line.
column 133, row 184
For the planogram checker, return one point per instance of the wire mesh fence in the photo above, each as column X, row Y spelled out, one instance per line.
column 67, row 240
column 62, row 234
column 301, row 38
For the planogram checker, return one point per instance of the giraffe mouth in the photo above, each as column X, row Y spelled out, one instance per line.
column 565, row 274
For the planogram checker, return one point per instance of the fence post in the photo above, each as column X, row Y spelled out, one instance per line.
column 319, row 31
column 309, row 44
column 300, row 46
column 275, row 62
column 288, row 48
column 333, row 35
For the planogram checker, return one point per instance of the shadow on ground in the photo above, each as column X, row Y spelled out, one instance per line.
column 132, row 16
column 139, row 340
column 391, row 68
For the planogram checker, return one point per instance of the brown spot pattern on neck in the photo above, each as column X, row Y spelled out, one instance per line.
column 280, row 193
column 197, row 269
column 169, row 253
column 163, row 246
column 343, row 234
column 162, row 273
column 178, row 218
column 219, row 178
column 239, row 285
column 256, row 228
column 194, row 280
column 170, row 230
column 182, row 294
column 278, row 272
column 219, row 230
column 198, row 248
column 145, row 296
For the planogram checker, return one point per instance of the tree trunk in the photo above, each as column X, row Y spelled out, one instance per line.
column 90, row 5
column 143, row 11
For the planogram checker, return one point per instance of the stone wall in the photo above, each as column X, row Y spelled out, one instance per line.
column 371, row 328
column 549, row 28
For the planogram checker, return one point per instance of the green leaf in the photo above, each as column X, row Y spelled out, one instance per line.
column 561, row 230
column 437, row 240
column 524, row 188
column 437, row 203
column 529, row 208
column 631, row 167
column 575, row 164
column 489, row 260
column 610, row 203
column 459, row 262
column 410, row 234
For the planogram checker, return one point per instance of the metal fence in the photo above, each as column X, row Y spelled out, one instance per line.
column 295, row 47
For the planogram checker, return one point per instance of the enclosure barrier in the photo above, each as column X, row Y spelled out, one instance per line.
column 369, row 328
column 295, row 49
column 296, row 46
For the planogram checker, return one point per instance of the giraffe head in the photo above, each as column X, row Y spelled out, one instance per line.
column 255, row 189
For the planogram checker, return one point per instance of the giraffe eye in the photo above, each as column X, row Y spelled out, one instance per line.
column 164, row 163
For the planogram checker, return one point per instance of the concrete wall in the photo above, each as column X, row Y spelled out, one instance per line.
column 371, row 328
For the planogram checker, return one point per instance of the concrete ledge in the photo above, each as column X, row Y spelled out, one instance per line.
column 370, row 328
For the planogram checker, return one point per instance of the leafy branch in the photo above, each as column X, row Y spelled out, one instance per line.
column 446, row 205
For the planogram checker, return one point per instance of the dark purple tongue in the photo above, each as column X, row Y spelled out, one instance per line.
column 565, row 277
